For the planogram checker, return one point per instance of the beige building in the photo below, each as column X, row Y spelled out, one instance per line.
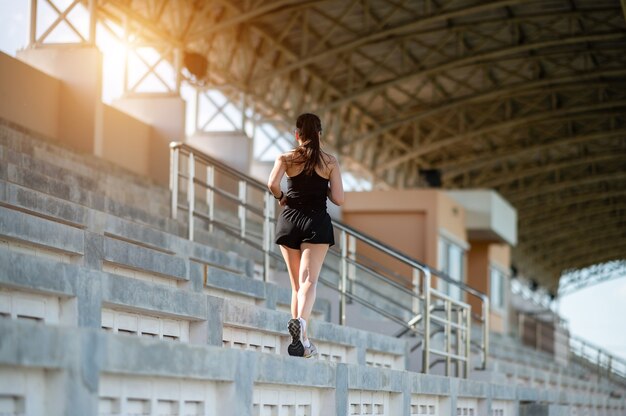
column 465, row 234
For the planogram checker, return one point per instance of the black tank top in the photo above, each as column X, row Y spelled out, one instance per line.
column 307, row 191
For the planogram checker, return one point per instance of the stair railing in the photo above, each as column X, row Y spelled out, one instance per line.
column 575, row 349
column 200, row 170
column 598, row 359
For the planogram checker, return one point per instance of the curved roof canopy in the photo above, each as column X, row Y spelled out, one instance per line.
column 527, row 97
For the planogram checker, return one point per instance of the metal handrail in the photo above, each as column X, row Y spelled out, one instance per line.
column 591, row 356
column 600, row 359
column 422, row 274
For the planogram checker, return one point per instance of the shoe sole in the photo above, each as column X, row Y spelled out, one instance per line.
column 311, row 355
column 295, row 349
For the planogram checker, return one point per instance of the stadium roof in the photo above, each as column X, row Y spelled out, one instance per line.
column 525, row 97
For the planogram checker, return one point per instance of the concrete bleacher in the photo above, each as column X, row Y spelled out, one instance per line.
column 108, row 309
column 525, row 365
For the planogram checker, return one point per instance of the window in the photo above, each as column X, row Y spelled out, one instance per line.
column 451, row 263
column 497, row 280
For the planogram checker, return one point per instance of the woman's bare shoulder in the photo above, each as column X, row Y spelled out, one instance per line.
column 329, row 159
column 286, row 157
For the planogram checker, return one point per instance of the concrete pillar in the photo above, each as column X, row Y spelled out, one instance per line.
column 166, row 115
column 79, row 67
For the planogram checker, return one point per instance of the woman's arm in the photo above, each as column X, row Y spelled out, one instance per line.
column 335, row 189
column 276, row 175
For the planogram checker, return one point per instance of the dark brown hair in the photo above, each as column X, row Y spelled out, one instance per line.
column 309, row 151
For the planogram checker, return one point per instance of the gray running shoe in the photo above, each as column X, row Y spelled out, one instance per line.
column 296, row 348
column 311, row 351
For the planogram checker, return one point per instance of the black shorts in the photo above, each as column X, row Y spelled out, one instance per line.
column 297, row 226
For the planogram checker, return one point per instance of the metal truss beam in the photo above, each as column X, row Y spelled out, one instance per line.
column 502, row 94
column 555, row 222
column 498, row 92
column 555, row 115
column 573, row 281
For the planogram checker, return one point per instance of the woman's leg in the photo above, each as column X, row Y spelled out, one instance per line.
column 310, row 265
column 292, row 260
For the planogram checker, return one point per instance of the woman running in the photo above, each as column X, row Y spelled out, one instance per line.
column 304, row 229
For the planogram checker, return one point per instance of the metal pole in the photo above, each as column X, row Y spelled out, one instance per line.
column 242, row 208
column 210, row 195
column 174, row 181
column 190, row 195
column 448, row 336
column 351, row 267
column 459, row 340
column 416, row 288
column 269, row 213
column 485, row 331
column 468, row 338
column 344, row 277
column 426, row 351
column 33, row 23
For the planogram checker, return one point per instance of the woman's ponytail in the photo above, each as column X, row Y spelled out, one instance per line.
column 309, row 152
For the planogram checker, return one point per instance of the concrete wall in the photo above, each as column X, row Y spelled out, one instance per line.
column 79, row 69
column 399, row 219
column 478, row 268
column 451, row 218
column 410, row 221
column 480, row 258
column 166, row 115
column 489, row 216
column 29, row 97
column 500, row 257
column 126, row 141
column 68, row 110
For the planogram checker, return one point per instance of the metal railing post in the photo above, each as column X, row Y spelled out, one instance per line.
column 485, row 312
column 344, row 277
column 448, row 336
column 241, row 209
column 267, row 234
column 459, row 339
column 210, row 195
column 191, row 195
column 351, row 267
column 174, row 181
column 426, row 351
column 416, row 287
column 468, row 338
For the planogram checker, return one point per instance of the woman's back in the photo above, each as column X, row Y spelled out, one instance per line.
column 295, row 166
column 306, row 189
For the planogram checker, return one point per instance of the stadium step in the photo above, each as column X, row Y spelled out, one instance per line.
column 103, row 297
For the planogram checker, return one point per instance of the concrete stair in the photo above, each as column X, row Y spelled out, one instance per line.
column 108, row 309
